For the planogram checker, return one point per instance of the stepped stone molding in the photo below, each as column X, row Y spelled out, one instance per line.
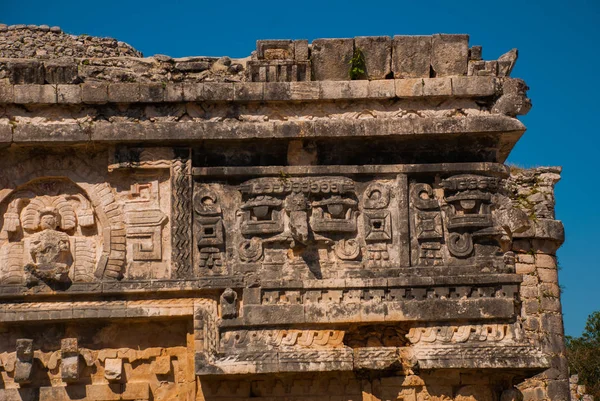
column 272, row 227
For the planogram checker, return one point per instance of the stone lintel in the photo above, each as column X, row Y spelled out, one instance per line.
column 243, row 92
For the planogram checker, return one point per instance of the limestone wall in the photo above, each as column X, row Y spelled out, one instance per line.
column 268, row 228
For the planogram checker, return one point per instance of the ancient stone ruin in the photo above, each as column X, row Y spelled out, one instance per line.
column 328, row 221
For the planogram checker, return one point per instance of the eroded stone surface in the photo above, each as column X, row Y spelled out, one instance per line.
column 268, row 228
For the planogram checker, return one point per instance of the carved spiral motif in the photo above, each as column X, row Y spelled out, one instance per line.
column 347, row 249
column 460, row 245
column 251, row 250
column 376, row 196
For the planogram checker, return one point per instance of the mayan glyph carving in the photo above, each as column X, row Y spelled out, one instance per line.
column 211, row 238
column 269, row 228
column 49, row 236
column 464, row 218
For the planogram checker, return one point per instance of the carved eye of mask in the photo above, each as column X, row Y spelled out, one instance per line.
column 261, row 212
column 336, row 210
column 262, row 207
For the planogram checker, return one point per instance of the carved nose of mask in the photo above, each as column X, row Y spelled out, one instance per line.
column 299, row 226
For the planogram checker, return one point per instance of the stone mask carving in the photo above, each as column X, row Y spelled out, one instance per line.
column 49, row 249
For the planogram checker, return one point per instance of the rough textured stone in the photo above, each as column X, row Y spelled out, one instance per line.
column 124, row 93
column 213, row 228
column 331, row 59
column 449, row 54
column 32, row 94
column 94, row 93
column 26, row 72
column 377, row 51
column 61, row 71
column 411, row 56
column 69, row 94
column 50, row 43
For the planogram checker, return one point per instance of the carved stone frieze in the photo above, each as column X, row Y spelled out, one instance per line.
column 273, row 228
column 51, row 230
column 210, row 233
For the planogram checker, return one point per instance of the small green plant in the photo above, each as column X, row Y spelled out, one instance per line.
column 284, row 177
column 358, row 67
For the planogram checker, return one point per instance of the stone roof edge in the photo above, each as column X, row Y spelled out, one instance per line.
column 106, row 92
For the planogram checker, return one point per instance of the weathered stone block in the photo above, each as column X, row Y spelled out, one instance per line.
column 529, row 292
column 26, row 72
column 68, row 94
column 24, row 360
column 162, row 365
column 449, row 54
column 62, row 393
column 551, row 304
column 277, row 91
column 150, row 92
column 105, row 392
column 524, row 268
column 332, row 90
column 22, row 394
column 412, row 87
column 330, row 59
column 548, row 275
column 559, row 390
column 193, row 91
column 545, row 261
column 381, row 89
column 531, row 307
column 308, row 90
column 437, row 87
column 377, row 51
column 248, row 91
column 32, row 133
column 135, row 391
column 192, row 66
column 552, row 323
column 94, row 93
column 113, row 369
column 473, row 86
column 217, row 91
column 411, row 56
column 550, row 289
column 526, row 258
column 275, row 49
column 5, row 133
column 301, row 50
column 35, row 94
column 6, row 92
column 61, row 71
column 123, row 92
column 69, row 363
column 173, row 92
column 475, row 53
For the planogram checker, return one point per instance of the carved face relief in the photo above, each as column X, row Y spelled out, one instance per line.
column 262, row 216
column 335, row 214
column 469, row 212
column 294, row 210
column 49, row 248
column 46, row 239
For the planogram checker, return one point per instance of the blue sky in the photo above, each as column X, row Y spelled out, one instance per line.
column 558, row 55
